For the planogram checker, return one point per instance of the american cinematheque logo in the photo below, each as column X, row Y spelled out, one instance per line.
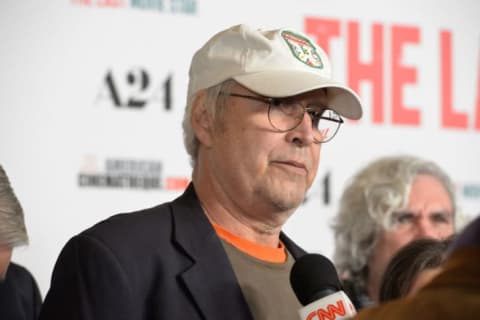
column 118, row 173
column 121, row 173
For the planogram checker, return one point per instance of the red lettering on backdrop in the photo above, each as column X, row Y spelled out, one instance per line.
column 176, row 183
column 322, row 30
column 402, row 75
column 372, row 71
column 82, row 2
column 111, row 3
column 450, row 117
column 477, row 108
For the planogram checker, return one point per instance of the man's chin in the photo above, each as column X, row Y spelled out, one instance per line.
column 289, row 200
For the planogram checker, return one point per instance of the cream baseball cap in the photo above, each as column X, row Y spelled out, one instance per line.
column 273, row 63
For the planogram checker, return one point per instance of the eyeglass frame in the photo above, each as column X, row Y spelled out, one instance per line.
column 272, row 101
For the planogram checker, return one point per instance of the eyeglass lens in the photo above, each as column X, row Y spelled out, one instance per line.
column 286, row 115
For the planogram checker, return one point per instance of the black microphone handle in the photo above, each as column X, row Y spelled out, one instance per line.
column 320, row 294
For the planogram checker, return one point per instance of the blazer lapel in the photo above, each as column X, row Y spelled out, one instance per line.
column 210, row 279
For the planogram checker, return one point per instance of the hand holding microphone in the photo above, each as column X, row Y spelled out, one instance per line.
column 316, row 285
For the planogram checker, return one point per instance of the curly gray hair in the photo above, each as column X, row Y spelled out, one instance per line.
column 366, row 208
column 216, row 105
column 13, row 232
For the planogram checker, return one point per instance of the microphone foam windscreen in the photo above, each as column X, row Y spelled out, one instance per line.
column 312, row 277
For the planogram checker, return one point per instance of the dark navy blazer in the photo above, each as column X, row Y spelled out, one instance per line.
column 164, row 262
column 20, row 297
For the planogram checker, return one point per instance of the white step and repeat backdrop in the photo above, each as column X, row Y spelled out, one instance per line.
column 93, row 92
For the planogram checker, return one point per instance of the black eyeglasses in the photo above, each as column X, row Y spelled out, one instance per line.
column 285, row 114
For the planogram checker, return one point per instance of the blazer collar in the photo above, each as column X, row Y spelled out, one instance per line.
column 210, row 279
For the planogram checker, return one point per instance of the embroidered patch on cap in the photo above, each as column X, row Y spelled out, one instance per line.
column 302, row 49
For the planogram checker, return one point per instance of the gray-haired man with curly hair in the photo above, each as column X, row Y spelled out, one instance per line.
column 387, row 204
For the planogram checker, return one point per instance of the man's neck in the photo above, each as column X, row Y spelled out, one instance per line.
column 242, row 226
column 243, row 215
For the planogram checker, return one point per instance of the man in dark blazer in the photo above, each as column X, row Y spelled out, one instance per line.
column 218, row 251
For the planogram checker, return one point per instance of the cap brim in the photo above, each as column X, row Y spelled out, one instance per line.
column 285, row 83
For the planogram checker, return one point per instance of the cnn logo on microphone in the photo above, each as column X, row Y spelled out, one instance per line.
column 333, row 307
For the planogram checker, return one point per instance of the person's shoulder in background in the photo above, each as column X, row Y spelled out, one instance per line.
column 469, row 237
column 20, row 296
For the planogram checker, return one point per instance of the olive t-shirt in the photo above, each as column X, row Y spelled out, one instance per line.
column 265, row 285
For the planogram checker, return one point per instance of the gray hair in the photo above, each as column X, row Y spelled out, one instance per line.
column 12, row 225
column 216, row 105
column 367, row 204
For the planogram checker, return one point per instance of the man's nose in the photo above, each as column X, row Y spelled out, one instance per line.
column 304, row 132
column 425, row 229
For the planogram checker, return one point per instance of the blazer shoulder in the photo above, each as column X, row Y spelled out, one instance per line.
column 144, row 230
column 146, row 222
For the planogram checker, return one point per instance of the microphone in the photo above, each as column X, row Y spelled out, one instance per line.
column 315, row 282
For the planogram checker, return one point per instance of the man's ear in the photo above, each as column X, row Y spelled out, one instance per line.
column 202, row 123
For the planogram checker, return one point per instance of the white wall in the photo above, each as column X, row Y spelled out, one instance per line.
column 58, row 119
